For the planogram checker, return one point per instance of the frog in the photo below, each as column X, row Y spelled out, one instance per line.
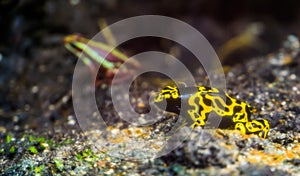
column 198, row 102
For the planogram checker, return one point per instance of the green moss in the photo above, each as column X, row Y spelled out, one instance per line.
column 50, row 143
column 37, row 143
column 12, row 150
column 39, row 169
column 86, row 155
column 79, row 156
column 40, row 139
column 8, row 138
column 59, row 164
column 33, row 150
column 31, row 139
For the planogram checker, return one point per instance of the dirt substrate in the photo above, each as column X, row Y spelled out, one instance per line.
column 63, row 149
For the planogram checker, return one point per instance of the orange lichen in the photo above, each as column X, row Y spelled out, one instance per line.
column 117, row 140
column 117, row 136
column 256, row 156
column 279, row 155
column 136, row 132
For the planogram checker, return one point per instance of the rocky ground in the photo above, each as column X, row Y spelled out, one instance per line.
column 270, row 87
column 39, row 131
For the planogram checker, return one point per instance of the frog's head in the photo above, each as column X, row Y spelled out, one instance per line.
column 259, row 127
column 168, row 99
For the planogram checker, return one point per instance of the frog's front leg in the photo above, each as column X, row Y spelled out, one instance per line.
column 259, row 127
column 240, row 127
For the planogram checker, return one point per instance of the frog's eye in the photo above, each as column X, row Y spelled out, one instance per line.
column 168, row 92
column 160, row 99
column 254, row 125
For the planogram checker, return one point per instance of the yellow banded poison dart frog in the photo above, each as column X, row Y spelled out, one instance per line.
column 198, row 102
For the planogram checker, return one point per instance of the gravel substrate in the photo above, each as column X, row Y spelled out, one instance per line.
column 123, row 149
